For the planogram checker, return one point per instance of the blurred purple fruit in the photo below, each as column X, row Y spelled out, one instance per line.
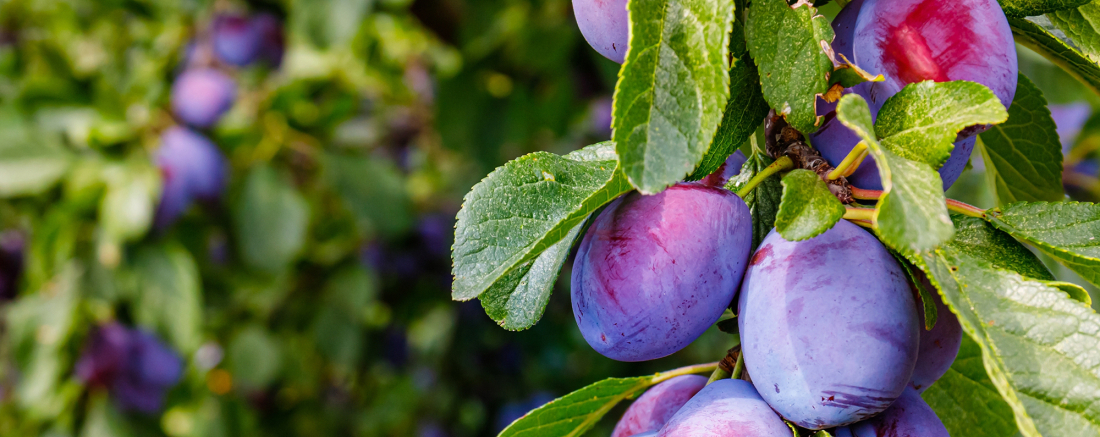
column 1069, row 119
column 132, row 364
column 272, row 41
column 235, row 40
column 11, row 263
column 201, row 96
column 192, row 168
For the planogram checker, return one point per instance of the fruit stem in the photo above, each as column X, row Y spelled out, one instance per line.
column 859, row 213
column 719, row 373
column 850, row 163
column 739, row 368
column 689, row 370
column 965, row 209
column 865, row 223
column 861, row 194
column 782, row 164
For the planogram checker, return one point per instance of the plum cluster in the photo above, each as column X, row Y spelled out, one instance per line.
column 831, row 328
column 133, row 365
column 192, row 167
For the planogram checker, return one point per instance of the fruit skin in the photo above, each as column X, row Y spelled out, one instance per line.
column 654, row 272
column 201, row 96
column 132, row 364
column 728, row 169
column 727, row 407
column 938, row 347
column 835, row 141
column 653, row 409
column 605, row 26
column 909, row 416
column 829, row 326
column 911, row 41
column 192, row 168
column 234, row 39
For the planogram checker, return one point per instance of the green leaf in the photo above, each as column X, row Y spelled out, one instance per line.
column 126, row 209
column 1031, row 8
column 919, row 281
column 576, row 412
column 745, row 111
column 1075, row 292
column 787, row 45
column 271, row 218
column 967, row 401
column 911, row 216
column 1043, row 41
column 1080, row 25
column 372, row 190
column 169, row 294
column 28, row 168
column 255, row 358
column 1023, row 156
column 523, row 208
column 764, row 200
column 808, row 208
column 997, row 248
column 338, row 328
column 921, row 121
column 517, row 300
column 1067, row 231
column 1039, row 347
column 672, row 88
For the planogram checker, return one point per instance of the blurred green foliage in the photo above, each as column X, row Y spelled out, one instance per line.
column 314, row 299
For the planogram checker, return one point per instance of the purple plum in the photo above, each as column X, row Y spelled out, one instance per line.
column 201, row 96
column 654, row 272
column 939, row 346
column 727, row 407
column 135, row 367
column 235, row 40
column 910, row 41
column 829, row 327
column 605, row 26
column 728, row 169
column 192, row 168
column 1069, row 119
column 909, row 416
column 272, row 41
column 835, row 141
column 653, row 409
column 11, row 263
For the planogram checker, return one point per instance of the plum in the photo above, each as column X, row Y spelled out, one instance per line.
column 910, row 41
column 201, row 96
column 727, row 407
column 728, row 169
column 12, row 245
column 653, row 409
column 654, row 272
column 135, row 367
column 909, row 416
column 191, row 168
column 605, row 26
column 235, row 40
column 272, row 40
column 829, row 326
column 835, row 141
column 939, row 346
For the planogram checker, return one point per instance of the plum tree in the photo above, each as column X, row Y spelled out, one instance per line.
column 192, row 168
column 132, row 364
column 910, row 41
column 909, row 416
column 605, row 26
column 653, row 409
column 939, row 346
column 727, row 407
column 829, row 326
column 654, row 272
column 200, row 96
column 882, row 50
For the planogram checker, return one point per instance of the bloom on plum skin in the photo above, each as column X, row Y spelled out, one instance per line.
column 605, row 26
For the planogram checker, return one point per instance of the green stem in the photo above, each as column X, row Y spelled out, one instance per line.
column 739, row 368
column 965, row 209
column 782, row 164
column 859, row 213
column 850, row 162
column 718, row 374
column 689, row 370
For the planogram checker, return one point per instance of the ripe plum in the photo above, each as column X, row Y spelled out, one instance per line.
column 909, row 416
column 605, row 26
column 653, row 409
column 727, row 407
column 201, row 96
column 829, row 327
column 654, row 272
